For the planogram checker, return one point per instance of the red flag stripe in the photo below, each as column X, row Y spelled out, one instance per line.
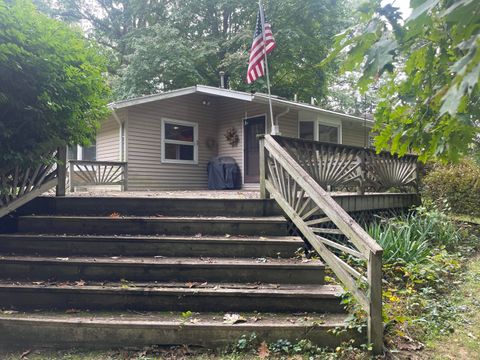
column 263, row 43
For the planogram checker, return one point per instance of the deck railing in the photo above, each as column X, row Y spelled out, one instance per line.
column 23, row 183
column 343, row 167
column 95, row 173
column 293, row 172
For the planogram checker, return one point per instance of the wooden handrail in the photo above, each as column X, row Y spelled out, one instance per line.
column 310, row 208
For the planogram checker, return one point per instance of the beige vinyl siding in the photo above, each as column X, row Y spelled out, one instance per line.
column 231, row 114
column 108, row 139
column 144, row 135
column 289, row 123
column 354, row 133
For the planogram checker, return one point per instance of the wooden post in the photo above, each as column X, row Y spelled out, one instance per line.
column 125, row 177
column 375, row 322
column 61, row 170
column 71, row 174
column 363, row 168
column 263, row 168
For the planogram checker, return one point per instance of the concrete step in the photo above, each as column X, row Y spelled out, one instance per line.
column 171, row 297
column 113, row 330
column 162, row 225
column 150, row 206
column 201, row 269
column 220, row 246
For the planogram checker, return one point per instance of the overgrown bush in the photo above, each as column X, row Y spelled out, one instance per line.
column 52, row 86
column 410, row 238
column 454, row 188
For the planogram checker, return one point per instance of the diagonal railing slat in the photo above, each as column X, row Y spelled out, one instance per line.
column 93, row 173
column 308, row 209
column 24, row 183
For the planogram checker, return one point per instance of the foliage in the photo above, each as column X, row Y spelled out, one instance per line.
column 157, row 46
column 417, row 300
column 52, row 91
column 430, row 101
column 410, row 238
column 454, row 188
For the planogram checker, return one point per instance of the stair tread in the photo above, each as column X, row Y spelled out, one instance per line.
column 179, row 238
column 189, row 288
column 176, row 319
column 273, row 219
column 190, row 261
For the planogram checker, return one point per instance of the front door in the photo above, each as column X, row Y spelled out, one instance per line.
column 252, row 127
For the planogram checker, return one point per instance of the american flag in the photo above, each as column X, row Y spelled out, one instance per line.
column 260, row 48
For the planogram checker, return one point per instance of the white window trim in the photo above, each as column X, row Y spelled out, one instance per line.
column 79, row 152
column 316, row 127
column 178, row 142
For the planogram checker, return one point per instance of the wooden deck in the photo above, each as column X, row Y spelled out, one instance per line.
column 351, row 202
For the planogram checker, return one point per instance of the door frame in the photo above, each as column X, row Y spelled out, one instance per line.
column 264, row 114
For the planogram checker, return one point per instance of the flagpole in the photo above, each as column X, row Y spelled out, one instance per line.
column 275, row 130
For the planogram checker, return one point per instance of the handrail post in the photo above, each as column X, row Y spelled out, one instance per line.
column 71, row 174
column 125, row 177
column 375, row 321
column 363, row 172
column 61, row 171
column 263, row 170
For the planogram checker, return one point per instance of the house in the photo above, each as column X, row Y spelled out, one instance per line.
column 168, row 139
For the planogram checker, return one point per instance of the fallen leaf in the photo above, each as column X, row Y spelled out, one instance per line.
column 409, row 344
column 38, row 282
column 227, row 235
column 190, row 284
column 233, row 319
column 9, row 312
column 471, row 335
column 80, row 283
column 114, row 215
column 72, row 311
column 25, row 353
column 263, row 351
column 194, row 320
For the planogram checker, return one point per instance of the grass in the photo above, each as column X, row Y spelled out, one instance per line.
column 464, row 342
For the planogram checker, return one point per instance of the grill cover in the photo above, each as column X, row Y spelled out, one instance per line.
column 223, row 174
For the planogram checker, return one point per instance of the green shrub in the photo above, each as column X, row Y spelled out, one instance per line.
column 410, row 238
column 52, row 88
column 454, row 188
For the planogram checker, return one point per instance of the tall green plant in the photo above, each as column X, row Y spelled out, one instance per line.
column 411, row 238
column 52, row 86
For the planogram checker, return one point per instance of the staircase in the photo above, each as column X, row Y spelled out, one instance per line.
column 115, row 272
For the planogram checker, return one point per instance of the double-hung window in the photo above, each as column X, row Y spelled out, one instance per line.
column 319, row 130
column 179, row 142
